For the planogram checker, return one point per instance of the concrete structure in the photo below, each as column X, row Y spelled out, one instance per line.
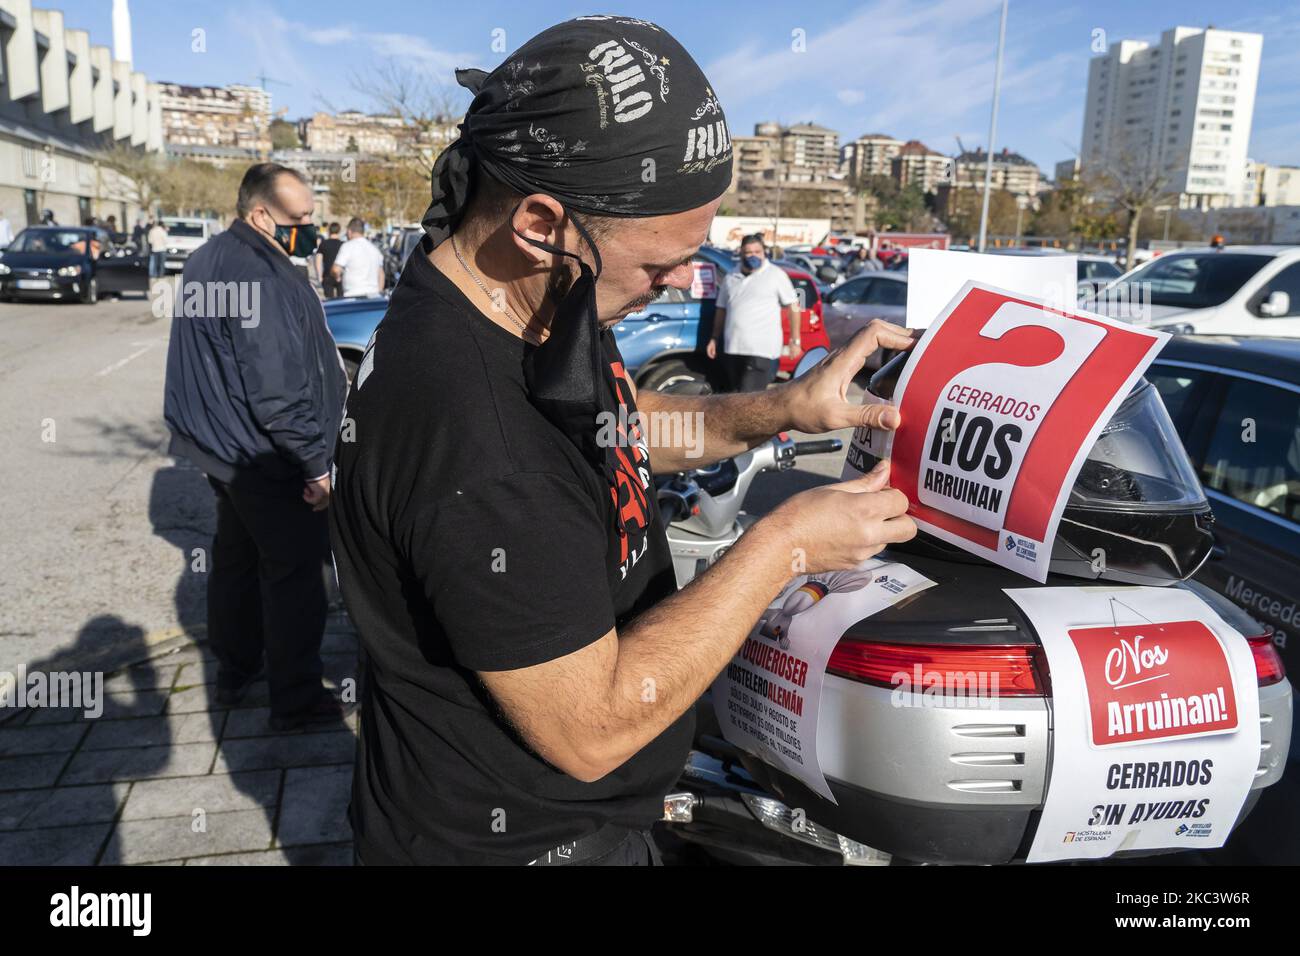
column 62, row 101
column 1248, row 225
column 869, row 155
column 1066, row 171
column 809, row 148
column 1180, row 110
column 1011, row 172
column 224, row 116
column 918, row 164
column 353, row 132
column 1274, row 186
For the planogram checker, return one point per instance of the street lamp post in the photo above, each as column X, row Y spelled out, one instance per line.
column 993, row 129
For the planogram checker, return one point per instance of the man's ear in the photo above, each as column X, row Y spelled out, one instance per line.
column 538, row 217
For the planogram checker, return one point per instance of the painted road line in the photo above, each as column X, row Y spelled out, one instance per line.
column 118, row 364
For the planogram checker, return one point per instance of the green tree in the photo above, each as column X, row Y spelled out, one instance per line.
column 284, row 135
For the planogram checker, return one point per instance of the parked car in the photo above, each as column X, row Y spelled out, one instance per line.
column 352, row 321
column 662, row 345
column 1236, row 405
column 1093, row 272
column 1236, row 290
column 398, row 248
column 70, row 262
column 851, row 305
column 184, row 235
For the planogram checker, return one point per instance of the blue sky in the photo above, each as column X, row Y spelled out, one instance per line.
column 919, row 70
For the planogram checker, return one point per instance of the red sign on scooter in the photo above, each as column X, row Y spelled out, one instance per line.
column 1000, row 404
column 1155, row 682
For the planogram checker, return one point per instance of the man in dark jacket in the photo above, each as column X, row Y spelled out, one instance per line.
column 254, row 398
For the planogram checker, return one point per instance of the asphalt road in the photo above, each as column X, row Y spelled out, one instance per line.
column 98, row 522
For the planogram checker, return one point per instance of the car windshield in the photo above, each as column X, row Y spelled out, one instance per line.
column 1195, row 281
column 49, row 240
column 188, row 230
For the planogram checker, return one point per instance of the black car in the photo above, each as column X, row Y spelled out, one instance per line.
column 1236, row 404
column 70, row 262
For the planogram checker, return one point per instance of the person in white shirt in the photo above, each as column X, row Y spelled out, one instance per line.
column 6, row 231
column 747, row 319
column 359, row 266
column 157, row 239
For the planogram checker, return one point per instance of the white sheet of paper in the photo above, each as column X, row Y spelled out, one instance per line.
column 767, row 699
column 934, row 276
column 1146, row 682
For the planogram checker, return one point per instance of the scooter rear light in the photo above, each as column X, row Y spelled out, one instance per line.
column 986, row 670
column 1268, row 662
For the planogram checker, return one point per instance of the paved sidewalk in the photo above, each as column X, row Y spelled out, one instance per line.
column 165, row 776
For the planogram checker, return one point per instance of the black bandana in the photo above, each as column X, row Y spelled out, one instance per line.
column 612, row 117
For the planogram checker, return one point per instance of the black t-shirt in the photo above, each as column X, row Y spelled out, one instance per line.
column 329, row 250
column 470, row 535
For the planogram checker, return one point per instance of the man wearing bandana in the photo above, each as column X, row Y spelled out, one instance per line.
column 531, row 669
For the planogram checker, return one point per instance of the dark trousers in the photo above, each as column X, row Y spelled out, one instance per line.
column 266, row 593
column 749, row 373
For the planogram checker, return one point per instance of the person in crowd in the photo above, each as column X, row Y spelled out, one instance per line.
column 6, row 230
column 254, row 398
column 359, row 265
column 747, row 319
column 157, row 237
column 863, row 260
column 326, row 253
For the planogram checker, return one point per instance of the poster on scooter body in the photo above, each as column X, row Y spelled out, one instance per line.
column 1155, row 720
column 767, row 699
column 1001, row 401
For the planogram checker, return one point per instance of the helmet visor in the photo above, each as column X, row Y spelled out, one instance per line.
column 1138, row 462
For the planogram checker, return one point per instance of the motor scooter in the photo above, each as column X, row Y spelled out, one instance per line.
column 937, row 784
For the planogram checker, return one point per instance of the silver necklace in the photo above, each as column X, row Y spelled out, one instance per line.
column 523, row 328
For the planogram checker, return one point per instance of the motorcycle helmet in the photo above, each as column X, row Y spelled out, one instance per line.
column 1137, row 513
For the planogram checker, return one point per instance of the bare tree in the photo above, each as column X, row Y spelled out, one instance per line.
column 428, row 106
column 141, row 174
column 1131, row 180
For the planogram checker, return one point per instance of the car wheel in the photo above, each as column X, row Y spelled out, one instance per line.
column 91, row 294
column 677, row 376
column 350, row 366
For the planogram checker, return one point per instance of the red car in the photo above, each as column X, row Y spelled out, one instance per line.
column 812, row 330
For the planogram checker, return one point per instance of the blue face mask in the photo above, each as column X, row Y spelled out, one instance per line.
column 753, row 262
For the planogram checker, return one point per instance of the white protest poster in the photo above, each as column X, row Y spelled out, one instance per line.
column 767, row 699
column 1001, row 400
column 934, row 276
column 1155, row 720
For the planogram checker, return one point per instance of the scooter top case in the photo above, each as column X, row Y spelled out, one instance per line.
column 944, row 780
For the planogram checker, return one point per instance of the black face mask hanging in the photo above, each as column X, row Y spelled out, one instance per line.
column 567, row 376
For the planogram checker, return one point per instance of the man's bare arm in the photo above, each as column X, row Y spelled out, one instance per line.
column 698, row 430
column 588, row 712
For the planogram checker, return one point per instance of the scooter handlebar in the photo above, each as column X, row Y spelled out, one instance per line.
column 821, row 447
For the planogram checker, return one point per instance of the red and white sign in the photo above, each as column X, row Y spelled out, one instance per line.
column 704, row 280
column 1155, row 720
column 1155, row 682
column 1000, row 402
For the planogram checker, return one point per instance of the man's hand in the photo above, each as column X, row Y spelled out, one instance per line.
column 317, row 493
column 818, row 402
column 837, row 527
column 711, row 350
